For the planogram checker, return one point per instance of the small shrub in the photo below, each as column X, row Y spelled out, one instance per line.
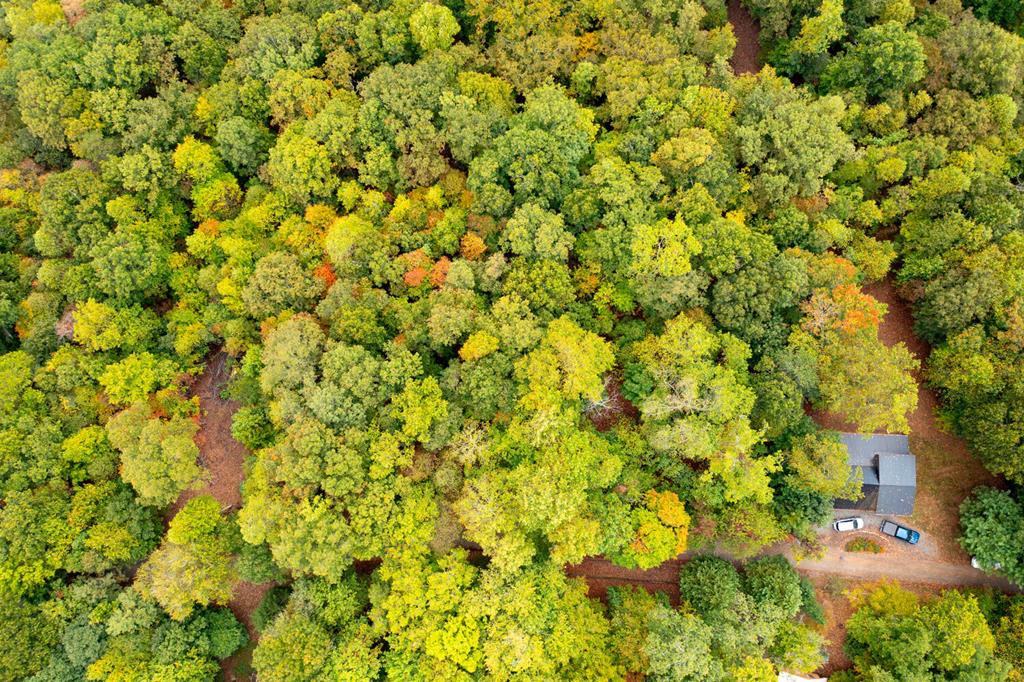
column 226, row 634
column 863, row 545
column 835, row 585
column 273, row 603
column 256, row 565
column 252, row 428
column 811, row 606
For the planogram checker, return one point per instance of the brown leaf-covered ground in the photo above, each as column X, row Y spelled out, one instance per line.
column 224, row 458
column 613, row 407
column 74, row 10
column 747, row 56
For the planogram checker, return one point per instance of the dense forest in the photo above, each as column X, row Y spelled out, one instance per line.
column 502, row 285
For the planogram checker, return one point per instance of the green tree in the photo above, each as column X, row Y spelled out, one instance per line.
column 709, row 585
column 135, row 377
column 284, row 40
column 992, row 523
column 194, row 565
column 788, row 140
column 242, row 144
column 984, row 59
column 699, row 406
column 536, row 233
column 819, row 462
column 884, row 60
column 158, row 456
column 859, row 377
column 29, row 635
column 949, row 636
column 818, row 33
column 322, row 630
column 678, row 647
column 279, row 283
column 301, row 167
column 537, row 159
column 433, row 27
column 1009, row 15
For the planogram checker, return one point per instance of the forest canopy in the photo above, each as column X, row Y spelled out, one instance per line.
column 501, row 286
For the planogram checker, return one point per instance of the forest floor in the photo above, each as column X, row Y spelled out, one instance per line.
column 224, row 457
column 74, row 10
column 747, row 56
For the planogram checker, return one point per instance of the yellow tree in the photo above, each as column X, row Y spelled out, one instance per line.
column 194, row 565
column 859, row 377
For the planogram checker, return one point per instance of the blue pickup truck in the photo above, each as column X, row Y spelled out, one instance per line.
column 902, row 532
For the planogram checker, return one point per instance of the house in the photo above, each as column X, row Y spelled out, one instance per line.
column 888, row 471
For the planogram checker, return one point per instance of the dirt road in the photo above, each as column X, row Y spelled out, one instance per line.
column 601, row 574
column 867, row 566
column 747, row 56
column 224, row 457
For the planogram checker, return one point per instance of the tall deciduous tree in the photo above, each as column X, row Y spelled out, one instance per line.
column 948, row 636
column 993, row 531
column 859, row 377
column 158, row 456
column 194, row 566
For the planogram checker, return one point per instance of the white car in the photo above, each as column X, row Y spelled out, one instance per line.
column 853, row 523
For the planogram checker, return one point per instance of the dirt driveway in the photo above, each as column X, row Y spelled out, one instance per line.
column 895, row 563
column 898, row 560
column 885, row 566
column 928, row 546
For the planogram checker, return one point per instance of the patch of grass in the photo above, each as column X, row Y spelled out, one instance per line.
column 864, row 545
column 834, row 586
column 952, row 474
column 244, row 670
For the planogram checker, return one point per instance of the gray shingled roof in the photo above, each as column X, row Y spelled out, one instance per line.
column 897, row 478
column 869, row 474
column 897, row 469
column 863, row 449
column 889, row 470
